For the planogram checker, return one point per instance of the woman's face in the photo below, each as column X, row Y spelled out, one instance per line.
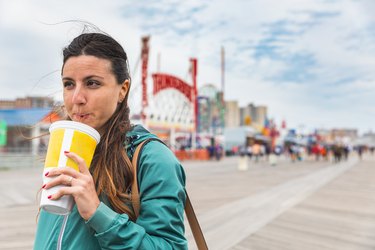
column 91, row 92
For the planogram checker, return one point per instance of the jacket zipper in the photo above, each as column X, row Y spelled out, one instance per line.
column 61, row 235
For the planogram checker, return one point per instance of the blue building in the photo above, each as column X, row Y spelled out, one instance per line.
column 23, row 126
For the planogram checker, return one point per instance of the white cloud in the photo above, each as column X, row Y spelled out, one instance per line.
column 327, row 46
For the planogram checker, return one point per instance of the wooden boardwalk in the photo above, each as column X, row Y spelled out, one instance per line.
column 302, row 205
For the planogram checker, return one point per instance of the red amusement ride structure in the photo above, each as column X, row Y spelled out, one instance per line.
column 170, row 110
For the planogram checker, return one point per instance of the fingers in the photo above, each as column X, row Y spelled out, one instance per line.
column 62, row 179
column 79, row 160
column 70, row 171
column 65, row 191
column 68, row 185
column 68, row 180
column 80, row 185
column 62, row 171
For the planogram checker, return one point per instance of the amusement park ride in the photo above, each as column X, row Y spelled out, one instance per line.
column 187, row 121
column 171, row 111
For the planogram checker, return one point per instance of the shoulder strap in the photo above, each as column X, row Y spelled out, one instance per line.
column 135, row 190
column 189, row 210
column 194, row 225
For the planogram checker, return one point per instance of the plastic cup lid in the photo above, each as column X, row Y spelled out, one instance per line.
column 76, row 126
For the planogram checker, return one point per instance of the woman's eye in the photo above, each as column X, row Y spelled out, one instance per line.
column 93, row 84
column 68, row 84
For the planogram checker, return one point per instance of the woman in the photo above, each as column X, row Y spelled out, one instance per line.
column 96, row 83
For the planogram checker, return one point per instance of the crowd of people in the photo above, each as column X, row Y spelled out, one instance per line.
column 260, row 151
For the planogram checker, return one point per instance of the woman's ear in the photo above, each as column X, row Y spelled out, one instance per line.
column 123, row 91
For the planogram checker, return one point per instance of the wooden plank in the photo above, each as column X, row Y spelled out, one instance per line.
column 302, row 205
column 339, row 216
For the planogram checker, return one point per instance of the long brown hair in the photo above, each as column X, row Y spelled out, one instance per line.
column 111, row 168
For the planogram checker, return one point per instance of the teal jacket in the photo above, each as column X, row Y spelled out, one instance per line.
column 160, row 225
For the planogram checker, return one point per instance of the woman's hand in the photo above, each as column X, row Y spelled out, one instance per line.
column 78, row 184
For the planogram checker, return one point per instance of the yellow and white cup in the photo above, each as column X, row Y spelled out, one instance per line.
column 66, row 136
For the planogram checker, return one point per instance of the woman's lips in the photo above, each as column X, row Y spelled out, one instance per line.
column 81, row 117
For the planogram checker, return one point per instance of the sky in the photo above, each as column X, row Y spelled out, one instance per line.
column 311, row 62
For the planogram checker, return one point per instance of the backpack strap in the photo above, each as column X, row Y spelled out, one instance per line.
column 194, row 225
column 135, row 190
column 189, row 210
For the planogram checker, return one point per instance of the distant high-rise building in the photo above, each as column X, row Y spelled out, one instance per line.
column 256, row 114
column 260, row 115
column 252, row 112
column 245, row 112
column 232, row 114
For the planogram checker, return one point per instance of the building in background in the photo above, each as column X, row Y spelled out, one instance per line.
column 204, row 114
column 245, row 116
column 253, row 115
column 344, row 135
column 27, row 102
column 24, row 127
column 23, row 120
column 260, row 115
column 232, row 114
column 211, row 110
column 366, row 140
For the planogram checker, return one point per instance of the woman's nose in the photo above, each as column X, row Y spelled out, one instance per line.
column 79, row 96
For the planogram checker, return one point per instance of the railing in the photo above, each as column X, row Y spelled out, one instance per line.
column 198, row 154
column 6, row 150
column 20, row 158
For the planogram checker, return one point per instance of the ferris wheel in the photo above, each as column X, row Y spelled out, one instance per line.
column 171, row 105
